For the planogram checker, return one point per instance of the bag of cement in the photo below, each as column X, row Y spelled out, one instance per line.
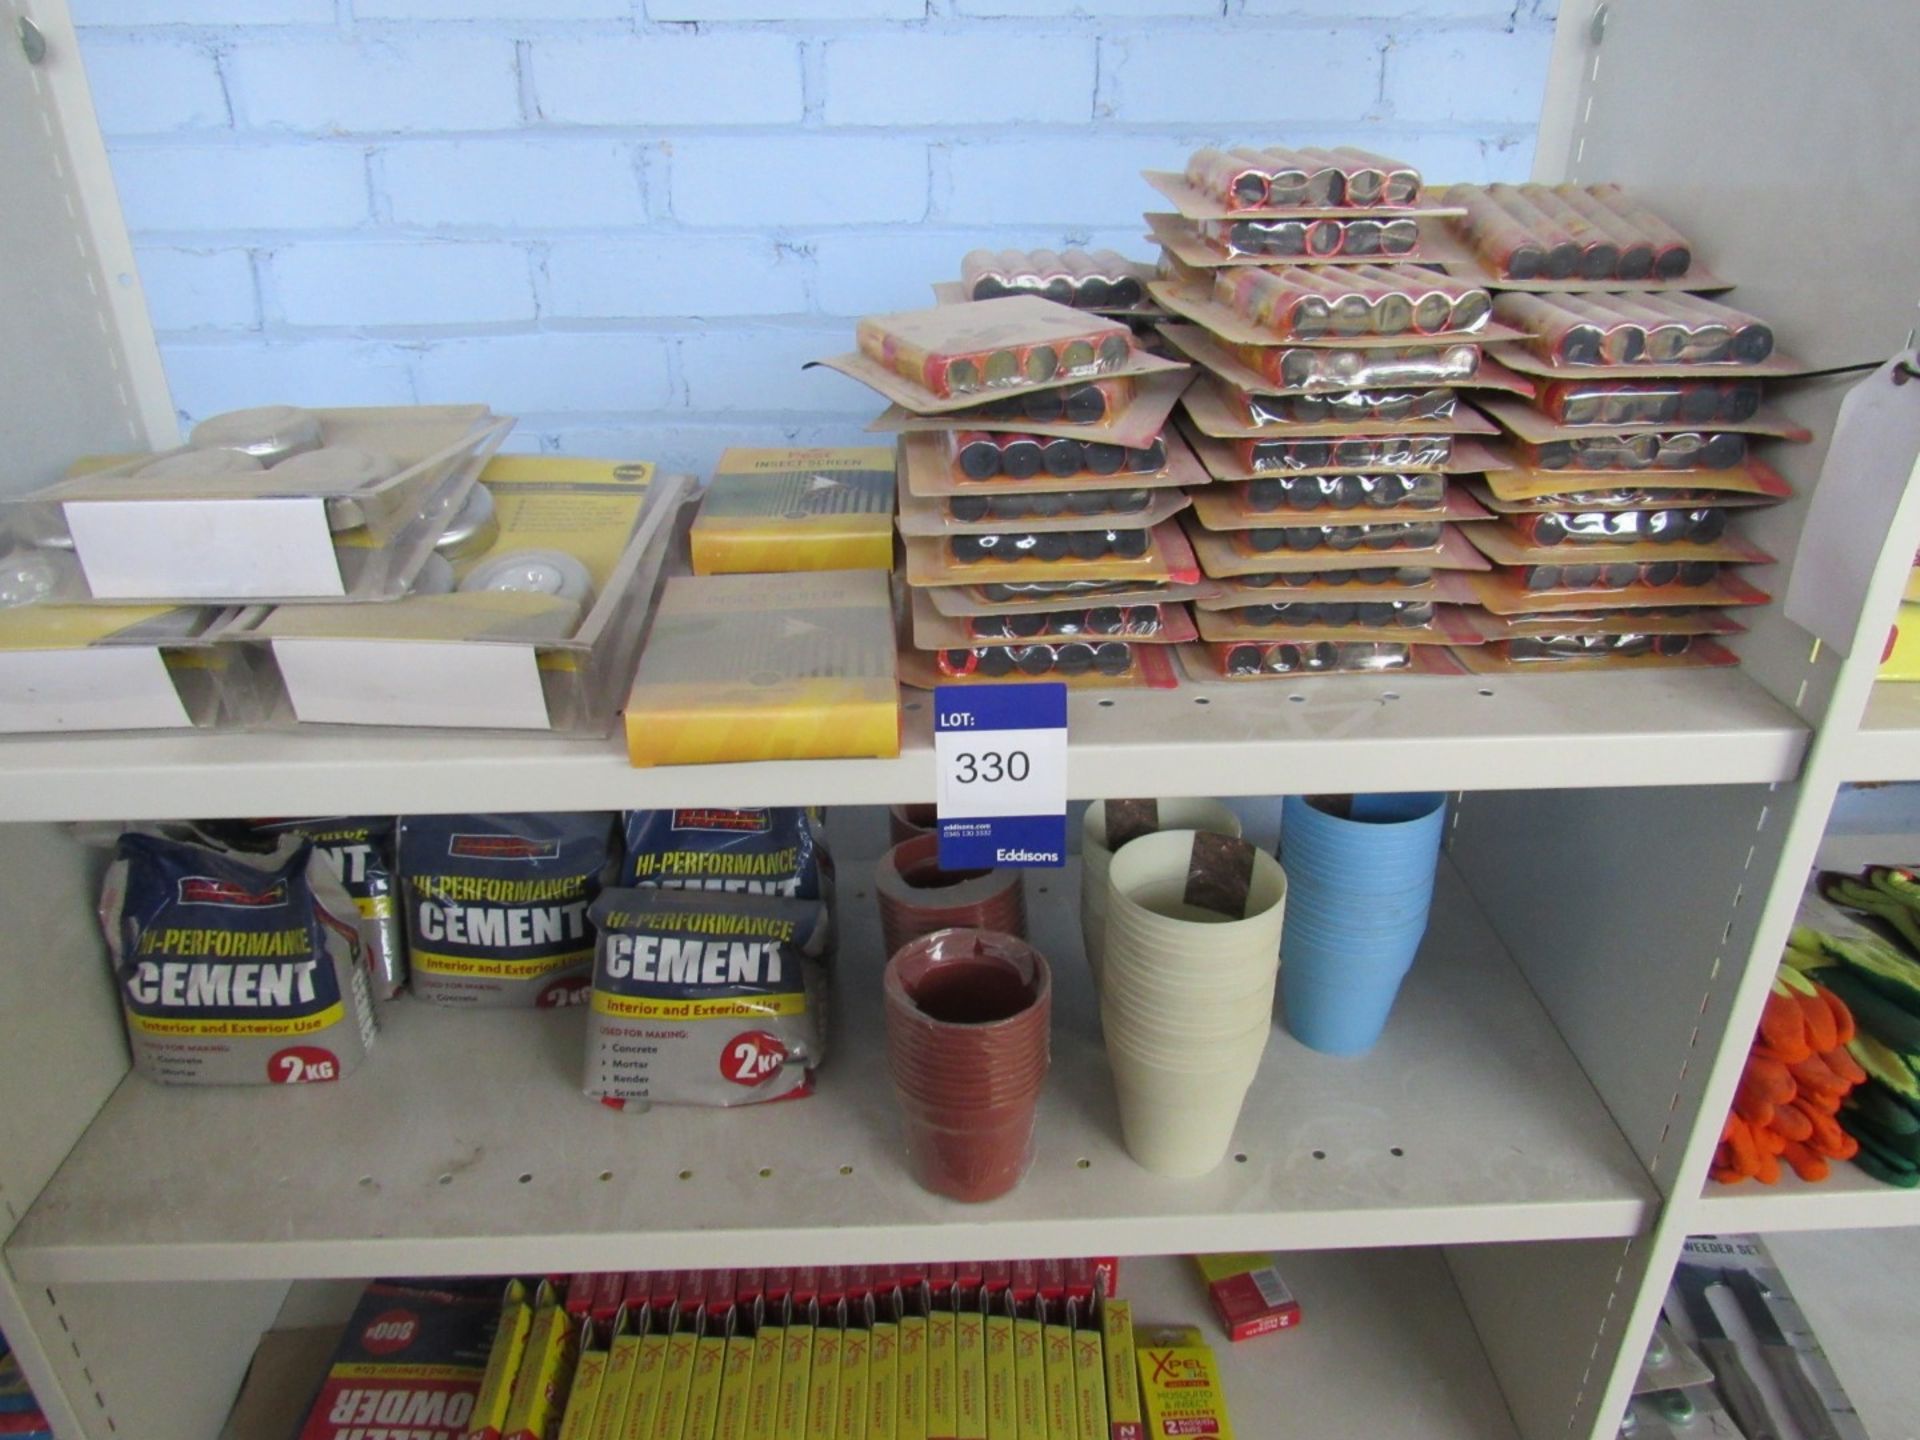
column 235, row 968
column 360, row 850
column 703, row 999
column 776, row 851
column 497, row 905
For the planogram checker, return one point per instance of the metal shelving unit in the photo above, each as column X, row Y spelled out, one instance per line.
column 1624, row 864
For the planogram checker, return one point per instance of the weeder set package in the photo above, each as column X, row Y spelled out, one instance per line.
column 513, row 602
column 117, row 582
column 533, row 624
column 270, row 504
column 1061, row 486
column 1619, row 485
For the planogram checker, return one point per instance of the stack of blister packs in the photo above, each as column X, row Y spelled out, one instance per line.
column 1037, row 488
column 1331, row 402
column 1620, row 479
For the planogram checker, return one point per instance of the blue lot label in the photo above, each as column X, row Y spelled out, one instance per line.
column 1001, row 752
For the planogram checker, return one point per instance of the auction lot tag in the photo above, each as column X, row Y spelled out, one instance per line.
column 1001, row 754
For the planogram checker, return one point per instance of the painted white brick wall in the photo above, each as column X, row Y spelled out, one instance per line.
column 628, row 222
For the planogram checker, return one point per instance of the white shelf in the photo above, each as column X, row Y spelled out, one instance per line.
column 1857, row 1291
column 1329, row 733
column 1887, row 745
column 463, row 1145
column 1848, row 1199
column 1393, row 1315
column 1384, row 1348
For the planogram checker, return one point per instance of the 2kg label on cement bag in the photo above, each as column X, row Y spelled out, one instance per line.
column 702, row 999
column 497, row 905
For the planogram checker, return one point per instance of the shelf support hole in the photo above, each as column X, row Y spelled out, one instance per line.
column 606, row 1175
column 1319, row 1154
column 1106, row 704
column 1298, row 699
column 766, row 1172
column 446, row 1179
column 1396, row 1152
column 366, row 1181
column 1083, row 1163
column 1201, row 700
column 1239, row 1157
column 846, row 1170
column 526, row 1177
column 686, row 1174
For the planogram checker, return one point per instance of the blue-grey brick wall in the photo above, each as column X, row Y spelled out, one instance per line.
column 628, row 222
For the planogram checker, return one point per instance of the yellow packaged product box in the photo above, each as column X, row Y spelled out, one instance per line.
column 503, row 1362
column 763, row 1393
column 1901, row 659
column 972, row 1337
column 1030, row 1379
column 768, row 511
column 912, row 1422
column 676, row 1379
column 546, row 1373
column 943, row 1380
column 767, row 667
column 796, row 1384
column 623, row 1358
column 823, row 1384
column 1002, row 1421
column 1089, row 1386
column 856, row 1382
column 1060, row 1400
column 589, row 1386
column 883, row 1384
column 703, row 1391
column 736, row 1380
column 646, row 1387
column 1180, row 1384
column 1125, row 1418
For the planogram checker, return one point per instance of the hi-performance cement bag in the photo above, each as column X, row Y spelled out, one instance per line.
column 235, row 968
column 702, row 999
column 775, row 851
column 360, row 850
column 497, row 905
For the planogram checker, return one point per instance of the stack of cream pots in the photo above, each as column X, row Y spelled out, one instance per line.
column 1190, row 960
column 1131, row 818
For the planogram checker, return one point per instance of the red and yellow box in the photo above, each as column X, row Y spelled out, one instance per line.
column 1248, row 1294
